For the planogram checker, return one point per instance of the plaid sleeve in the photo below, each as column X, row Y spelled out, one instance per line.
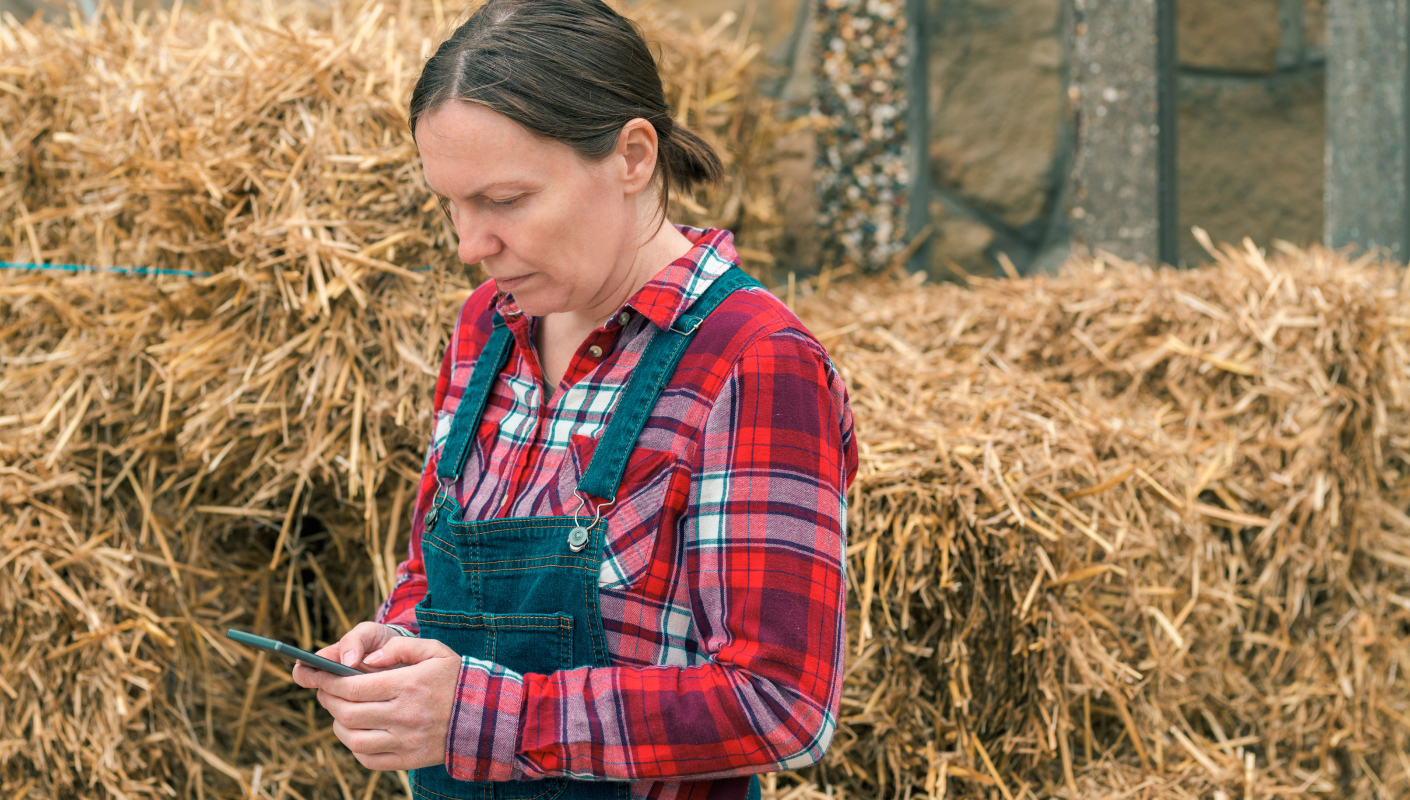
column 764, row 537
column 399, row 609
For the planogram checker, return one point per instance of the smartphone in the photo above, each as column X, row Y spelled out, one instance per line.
column 292, row 653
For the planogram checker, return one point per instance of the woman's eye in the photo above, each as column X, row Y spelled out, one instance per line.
column 508, row 202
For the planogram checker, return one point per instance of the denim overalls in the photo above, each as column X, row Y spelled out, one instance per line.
column 523, row 592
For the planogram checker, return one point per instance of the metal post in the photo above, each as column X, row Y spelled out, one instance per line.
column 1124, row 79
column 1292, row 25
column 1167, row 77
column 1368, row 77
column 918, row 130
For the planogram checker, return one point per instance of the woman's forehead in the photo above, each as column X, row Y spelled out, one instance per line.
column 467, row 148
column 459, row 128
column 460, row 137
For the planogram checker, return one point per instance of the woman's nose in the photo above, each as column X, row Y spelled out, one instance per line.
column 477, row 241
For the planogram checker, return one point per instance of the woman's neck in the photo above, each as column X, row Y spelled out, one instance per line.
column 665, row 246
column 559, row 335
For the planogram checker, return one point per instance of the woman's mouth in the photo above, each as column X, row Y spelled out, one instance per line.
column 509, row 284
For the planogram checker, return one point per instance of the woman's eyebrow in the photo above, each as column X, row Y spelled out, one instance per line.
column 482, row 189
column 496, row 185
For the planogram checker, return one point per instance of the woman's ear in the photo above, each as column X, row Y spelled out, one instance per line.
column 637, row 147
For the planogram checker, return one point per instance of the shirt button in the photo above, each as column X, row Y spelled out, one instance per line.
column 623, row 318
column 595, row 351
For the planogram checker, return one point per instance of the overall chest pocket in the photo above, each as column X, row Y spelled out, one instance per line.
column 537, row 643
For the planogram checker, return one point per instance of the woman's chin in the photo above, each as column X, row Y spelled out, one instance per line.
column 533, row 305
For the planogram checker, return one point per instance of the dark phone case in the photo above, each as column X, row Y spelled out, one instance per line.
column 292, row 653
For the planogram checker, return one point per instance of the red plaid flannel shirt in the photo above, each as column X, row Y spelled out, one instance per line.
column 722, row 585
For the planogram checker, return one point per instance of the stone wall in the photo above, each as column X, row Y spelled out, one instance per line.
column 1252, row 120
column 997, row 145
column 1250, row 128
column 1250, row 131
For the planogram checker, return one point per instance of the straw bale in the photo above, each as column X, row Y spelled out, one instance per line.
column 1127, row 532
column 181, row 455
column 273, row 139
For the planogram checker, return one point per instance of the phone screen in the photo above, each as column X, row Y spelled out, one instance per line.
column 292, row 653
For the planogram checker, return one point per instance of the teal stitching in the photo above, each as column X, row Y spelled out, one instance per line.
column 545, row 794
column 528, row 569
column 459, row 615
column 599, row 643
column 564, row 663
column 513, row 524
column 476, row 581
column 435, row 542
column 537, row 559
column 489, row 789
column 593, row 603
column 488, row 626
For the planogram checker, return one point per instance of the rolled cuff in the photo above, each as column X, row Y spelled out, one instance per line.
column 484, row 725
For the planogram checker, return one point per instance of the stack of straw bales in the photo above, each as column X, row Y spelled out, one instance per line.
column 179, row 455
column 1130, row 533
column 1119, row 533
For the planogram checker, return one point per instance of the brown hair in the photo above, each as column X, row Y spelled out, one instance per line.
column 572, row 71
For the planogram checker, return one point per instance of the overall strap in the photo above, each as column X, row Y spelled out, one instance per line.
column 648, row 380
column 472, row 404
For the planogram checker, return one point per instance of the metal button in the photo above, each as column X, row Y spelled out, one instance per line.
column 595, row 351
column 577, row 539
column 431, row 516
column 623, row 318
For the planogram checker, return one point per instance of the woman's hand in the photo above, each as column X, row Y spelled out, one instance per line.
column 365, row 639
column 396, row 718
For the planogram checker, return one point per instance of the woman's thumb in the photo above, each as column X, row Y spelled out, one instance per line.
column 406, row 650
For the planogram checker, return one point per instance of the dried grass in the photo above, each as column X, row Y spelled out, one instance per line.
column 273, row 141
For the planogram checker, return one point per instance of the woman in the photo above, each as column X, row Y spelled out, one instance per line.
column 626, row 567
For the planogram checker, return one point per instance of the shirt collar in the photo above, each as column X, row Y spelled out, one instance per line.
column 676, row 287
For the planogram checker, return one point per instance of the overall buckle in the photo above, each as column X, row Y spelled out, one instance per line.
column 578, row 536
column 433, row 515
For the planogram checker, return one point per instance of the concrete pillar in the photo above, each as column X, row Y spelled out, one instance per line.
column 1367, row 200
column 867, row 164
column 1123, row 80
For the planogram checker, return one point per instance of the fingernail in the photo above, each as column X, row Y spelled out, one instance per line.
column 349, row 658
column 375, row 655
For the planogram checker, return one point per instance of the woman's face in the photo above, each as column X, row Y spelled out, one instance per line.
column 554, row 230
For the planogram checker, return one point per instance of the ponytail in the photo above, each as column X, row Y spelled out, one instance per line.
column 687, row 161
